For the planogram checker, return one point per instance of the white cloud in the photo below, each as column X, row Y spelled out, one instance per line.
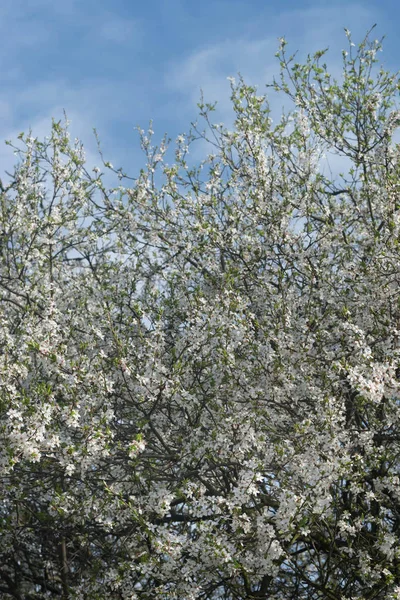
column 119, row 31
column 104, row 101
column 208, row 69
column 307, row 30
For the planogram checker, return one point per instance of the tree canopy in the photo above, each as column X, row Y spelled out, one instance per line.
column 200, row 367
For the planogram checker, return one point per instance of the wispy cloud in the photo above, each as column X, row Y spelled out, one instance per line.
column 307, row 30
column 120, row 31
column 114, row 67
column 208, row 68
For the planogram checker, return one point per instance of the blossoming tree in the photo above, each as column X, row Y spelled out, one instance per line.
column 199, row 369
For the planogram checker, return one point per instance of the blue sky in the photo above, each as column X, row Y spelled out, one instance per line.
column 115, row 65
